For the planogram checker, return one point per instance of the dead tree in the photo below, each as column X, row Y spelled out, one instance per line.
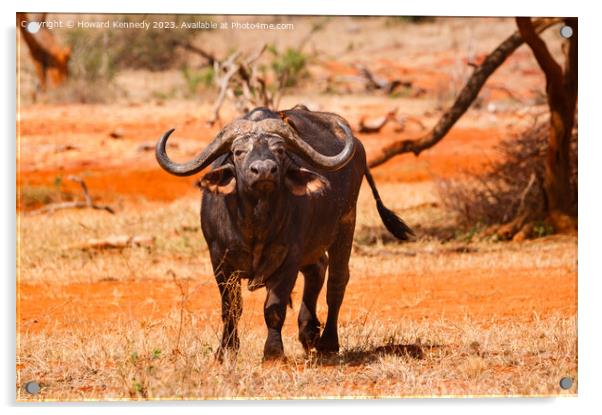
column 561, row 89
column 50, row 58
column 463, row 101
column 238, row 78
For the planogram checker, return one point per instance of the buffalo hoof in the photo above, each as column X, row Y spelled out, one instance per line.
column 309, row 337
column 273, row 351
column 327, row 346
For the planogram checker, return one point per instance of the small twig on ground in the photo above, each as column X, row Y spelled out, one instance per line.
column 183, row 300
column 375, row 125
column 523, row 196
column 76, row 204
column 372, row 82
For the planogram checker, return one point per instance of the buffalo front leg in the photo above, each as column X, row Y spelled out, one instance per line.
column 229, row 288
column 309, row 325
column 338, row 276
column 279, row 288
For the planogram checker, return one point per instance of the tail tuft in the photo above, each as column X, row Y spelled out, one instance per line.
column 394, row 223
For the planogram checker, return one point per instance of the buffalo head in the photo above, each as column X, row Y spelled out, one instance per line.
column 258, row 159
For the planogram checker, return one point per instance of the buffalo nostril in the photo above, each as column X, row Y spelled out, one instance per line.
column 254, row 170
column 274, row 169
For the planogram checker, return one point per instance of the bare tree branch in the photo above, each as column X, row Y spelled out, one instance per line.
column 544, row 58
column 229, row 68
column 464, row 99
column 211, row 59
column 238, row 79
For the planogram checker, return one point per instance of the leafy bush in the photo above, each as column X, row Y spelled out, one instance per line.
column 289, row 66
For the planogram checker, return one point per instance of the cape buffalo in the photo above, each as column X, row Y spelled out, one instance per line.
column 281, row 198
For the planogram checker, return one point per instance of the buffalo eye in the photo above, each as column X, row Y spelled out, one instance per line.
column 279, row 151
column 238, row 153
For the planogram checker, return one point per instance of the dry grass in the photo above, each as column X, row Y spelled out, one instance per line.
column 380, row 358
column 50, row 244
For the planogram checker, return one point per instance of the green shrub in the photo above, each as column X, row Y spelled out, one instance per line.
column 289, row 65
column 197, row 77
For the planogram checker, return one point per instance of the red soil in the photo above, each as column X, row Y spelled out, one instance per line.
column 481, row 295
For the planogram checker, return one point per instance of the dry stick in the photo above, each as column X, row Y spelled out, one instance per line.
column 464, row 99
column 377, row 124
column 415, row 120
column 523, row 196
column 77, row 204
column 183, row 300
column 316, row 27
column 232, row 68
column 245, row 70
column 251, row 60
column 372, row 82
column 522, row 215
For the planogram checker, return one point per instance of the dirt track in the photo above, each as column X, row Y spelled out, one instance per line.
column 483, row 295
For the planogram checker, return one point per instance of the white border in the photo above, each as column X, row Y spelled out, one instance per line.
column 590, row 231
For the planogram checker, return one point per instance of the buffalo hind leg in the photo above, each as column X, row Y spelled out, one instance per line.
column 279, row 288
column 309, row 325
column 229, row 288
column 338, row 276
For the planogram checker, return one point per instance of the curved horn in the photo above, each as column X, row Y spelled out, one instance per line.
column 308, row 153
column 219, row 145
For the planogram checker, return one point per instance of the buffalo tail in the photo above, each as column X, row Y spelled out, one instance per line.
column 392, row 222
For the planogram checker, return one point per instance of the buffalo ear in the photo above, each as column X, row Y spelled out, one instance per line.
column 219, row 181
column 303, row 182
